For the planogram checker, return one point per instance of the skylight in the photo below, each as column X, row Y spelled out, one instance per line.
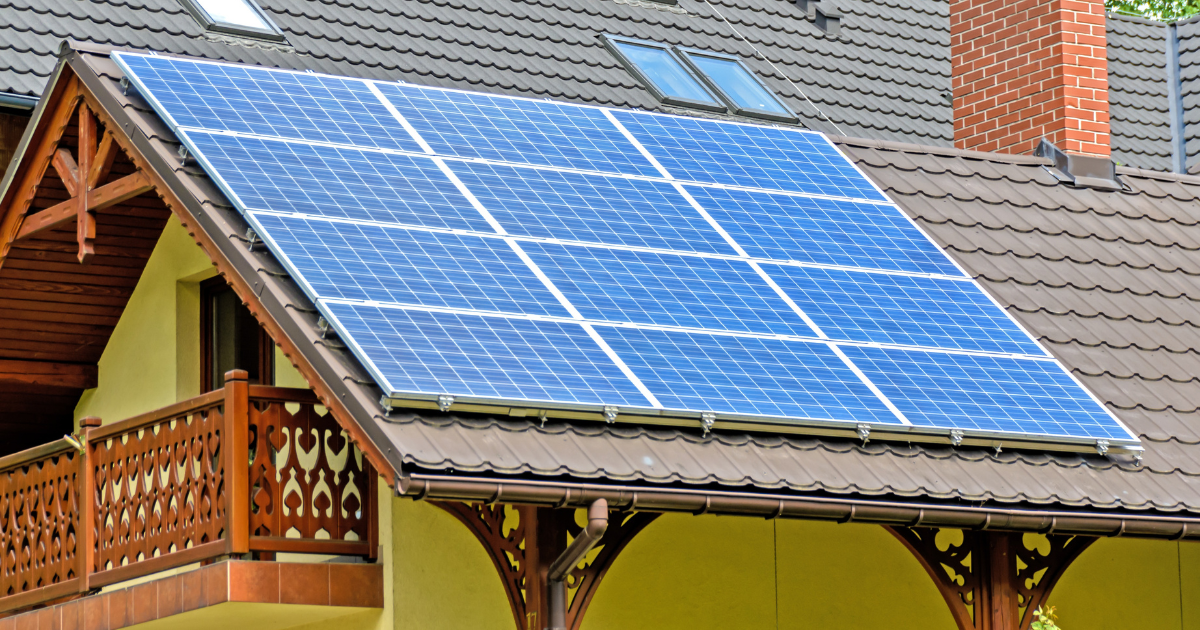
column 661, row 70
column 698, row 78
column 730, row 78
column 242, row 17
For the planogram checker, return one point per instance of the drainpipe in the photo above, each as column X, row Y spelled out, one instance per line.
column 1175, row 102
column 556, row 578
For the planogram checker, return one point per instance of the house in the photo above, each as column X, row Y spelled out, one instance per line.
column 215, row 439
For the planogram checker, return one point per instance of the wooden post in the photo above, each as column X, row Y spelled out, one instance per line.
column 85, row 538
column 372, row 508
column 236, row 446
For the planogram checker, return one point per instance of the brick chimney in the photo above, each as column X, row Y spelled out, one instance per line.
column 1024, row 70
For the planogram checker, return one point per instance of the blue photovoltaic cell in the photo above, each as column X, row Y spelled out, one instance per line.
column 262, row 101
column 985, row 393
column 517, row 130
column 774, row 158
column 338, row 182
column 334, row 184
column 902, row 310
column 492, row 357
column 590, row 208
column 823, row 231
column 391, row 264
column 666, row 289
column 745, row 375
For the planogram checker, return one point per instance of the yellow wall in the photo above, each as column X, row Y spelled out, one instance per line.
column 153, row 356
column 710, row 572
column 1124, row 583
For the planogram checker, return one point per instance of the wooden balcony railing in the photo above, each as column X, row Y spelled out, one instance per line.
column 247, row 469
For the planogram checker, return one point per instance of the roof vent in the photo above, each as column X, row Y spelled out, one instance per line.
column 829, row 20
column 1083, row 171
column 809, row 7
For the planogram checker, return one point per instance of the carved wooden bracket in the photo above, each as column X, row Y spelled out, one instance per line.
column 992, row 580
column 523, row 541
column 82, row 179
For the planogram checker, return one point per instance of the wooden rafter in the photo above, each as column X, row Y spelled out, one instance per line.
column 37, row 160
column 992, row 580
column 523, row 554
column 81, row 174
column 65, row 375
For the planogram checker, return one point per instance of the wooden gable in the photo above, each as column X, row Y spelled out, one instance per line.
column 78, row 223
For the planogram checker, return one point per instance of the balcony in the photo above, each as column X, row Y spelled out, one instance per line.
column 241, row 473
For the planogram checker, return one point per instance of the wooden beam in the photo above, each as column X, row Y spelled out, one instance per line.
column 67, row 170
column 67, row 375
column 85, row 225
column 104, row 160
column 65, row 95
column 107, row 195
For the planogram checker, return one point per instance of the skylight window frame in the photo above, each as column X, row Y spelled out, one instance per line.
column 686, row 53
column 205, row 20
column 611, row 41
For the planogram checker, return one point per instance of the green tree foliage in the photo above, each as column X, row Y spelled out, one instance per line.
column 1162, row 10
column 1046, row 619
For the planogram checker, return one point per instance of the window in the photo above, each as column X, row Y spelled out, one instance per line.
column 231, row 339
column 698, row 78
column 240, row 17
column 659, row 68
column 729, row 78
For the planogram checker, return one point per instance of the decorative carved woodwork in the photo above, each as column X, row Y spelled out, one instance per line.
column 173, row 487
column 81, row 174
column 39, row 525
column 159, row 484
column 523, row 541
column 306, row 479
column 992, row 580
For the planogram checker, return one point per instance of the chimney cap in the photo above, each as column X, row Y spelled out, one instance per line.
column 1083, row 171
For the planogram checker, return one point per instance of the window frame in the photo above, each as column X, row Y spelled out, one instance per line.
column 273, row 33
column 686, row 53
column 266, row 346
column 611, row 41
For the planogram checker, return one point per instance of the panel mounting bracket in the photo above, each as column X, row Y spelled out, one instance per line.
column 864, row 432
column 956, row 436
column 444, row 401
column 707, row 419
column 610, row 414
column 1102, row 447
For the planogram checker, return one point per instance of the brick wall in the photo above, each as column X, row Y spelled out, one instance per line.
column 1028, row 69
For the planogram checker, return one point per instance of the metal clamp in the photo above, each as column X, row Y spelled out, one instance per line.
column 444, row 401
column 1102, row 447
column 252, row 238
column 956, row 436
column 707, row 419
column 864, row 432
column 610, row 414
column 386, row 403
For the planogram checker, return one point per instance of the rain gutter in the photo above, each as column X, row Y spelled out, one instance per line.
column 764, row 505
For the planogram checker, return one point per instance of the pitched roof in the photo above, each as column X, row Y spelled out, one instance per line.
column 887, row 77
column 1102, row 277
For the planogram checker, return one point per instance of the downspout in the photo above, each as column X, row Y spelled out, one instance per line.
column 1175, row 102
column 556, row 578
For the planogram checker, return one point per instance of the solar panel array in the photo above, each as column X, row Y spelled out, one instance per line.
column 550, row 255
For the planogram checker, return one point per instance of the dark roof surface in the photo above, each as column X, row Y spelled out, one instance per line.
column 887, row 77
column 1108, row 280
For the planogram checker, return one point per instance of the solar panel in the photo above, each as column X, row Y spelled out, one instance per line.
column 246, row 99
column 733, row 154
column 391, row 264
column 903, row 310
column 590, row 208
column 340, row 182
column 664, row 289
column 512, row 252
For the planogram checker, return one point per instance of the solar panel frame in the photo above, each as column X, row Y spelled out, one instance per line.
column 1129, row 441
